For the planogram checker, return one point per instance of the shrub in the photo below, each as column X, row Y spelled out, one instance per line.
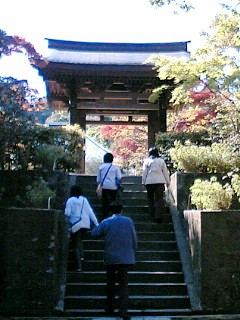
column 211, row 195
column 38, row 194
column 167, row 140
column 217, row 158
column 235, row 182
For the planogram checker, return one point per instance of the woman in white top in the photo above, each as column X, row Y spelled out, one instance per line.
column 80, row 215
column 154, row 177
column 110, row 177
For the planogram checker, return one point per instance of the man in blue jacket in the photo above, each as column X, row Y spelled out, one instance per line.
column 120, row 238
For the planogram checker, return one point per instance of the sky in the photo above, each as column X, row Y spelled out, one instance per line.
column 128, row 21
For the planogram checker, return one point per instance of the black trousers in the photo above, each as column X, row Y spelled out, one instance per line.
column 117, row 273
column 77, row 238
column 156, row 205
column 107, row 197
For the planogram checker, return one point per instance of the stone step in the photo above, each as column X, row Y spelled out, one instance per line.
column 82, row 178
column 156, row 236
column 151, row 289
column 89, row 182
column 134, row 276
column 125, row 195
column 148, row 226
column 140, row 255
column 140, row 302
column 170, row 312
column 158, row 265
column 126, row 201
column 127, row 209
column 142, row 245
column 156, row 282
column 146, row 218
column 147, row 235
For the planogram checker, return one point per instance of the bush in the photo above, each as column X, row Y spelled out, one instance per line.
column 211, row 195
column 217, row 158
column 167, row 140
column 235, row 182
column 38, row 194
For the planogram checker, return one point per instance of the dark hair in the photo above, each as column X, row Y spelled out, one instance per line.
column 76, row 191
column 153, row 152
column 115, row 207
column 108, row 157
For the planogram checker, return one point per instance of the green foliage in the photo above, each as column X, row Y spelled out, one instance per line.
column 38, row 194
column 214, row 67
column 59, row 148
column 26, row 145
column 49, row 155
column 217, row 158
column 235, row 183
column 15, row 124
column 211, row 195
column 2, row 190
column 182, row 4
column 23, row 143
column 166, row 140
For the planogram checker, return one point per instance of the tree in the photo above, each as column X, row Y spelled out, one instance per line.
column 128, row 143
column 214, row 67
column 10, row 44
column 182, row 4
column 24, row 144
column 15, row 123
column 186, row 5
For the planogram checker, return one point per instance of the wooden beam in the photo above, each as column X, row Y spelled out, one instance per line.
column 123, row 123
column 115, row 106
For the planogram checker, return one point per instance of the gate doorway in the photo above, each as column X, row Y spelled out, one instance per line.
column 127, row 142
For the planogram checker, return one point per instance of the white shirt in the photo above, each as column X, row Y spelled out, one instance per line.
column 110, row 180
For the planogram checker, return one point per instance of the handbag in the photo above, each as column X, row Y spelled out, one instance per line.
column 99, row 187
column 99, row 191
column 168, row 197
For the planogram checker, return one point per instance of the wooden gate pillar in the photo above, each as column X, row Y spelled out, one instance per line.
column 162, row 112
column 157, row 121
column 76, row 117
column 153, row 128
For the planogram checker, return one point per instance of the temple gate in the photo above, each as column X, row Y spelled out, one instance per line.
column 96, row 81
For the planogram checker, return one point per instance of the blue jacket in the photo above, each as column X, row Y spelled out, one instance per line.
column 120, row 239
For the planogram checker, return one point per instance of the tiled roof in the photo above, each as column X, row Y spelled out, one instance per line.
column 111, row 53
column 121, row 58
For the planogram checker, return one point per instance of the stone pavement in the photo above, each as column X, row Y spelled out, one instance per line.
column 196, row 317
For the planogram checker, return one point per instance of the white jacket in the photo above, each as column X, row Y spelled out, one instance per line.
column 155, row 171
column 79, row 213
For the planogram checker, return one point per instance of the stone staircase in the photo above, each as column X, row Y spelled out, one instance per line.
column 156, row 282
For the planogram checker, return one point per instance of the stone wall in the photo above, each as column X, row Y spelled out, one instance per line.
column 33, row 254
column 15, row 183
column 181, row 183
column 215, row 255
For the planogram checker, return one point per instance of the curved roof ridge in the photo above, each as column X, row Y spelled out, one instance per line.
column 117, row 46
